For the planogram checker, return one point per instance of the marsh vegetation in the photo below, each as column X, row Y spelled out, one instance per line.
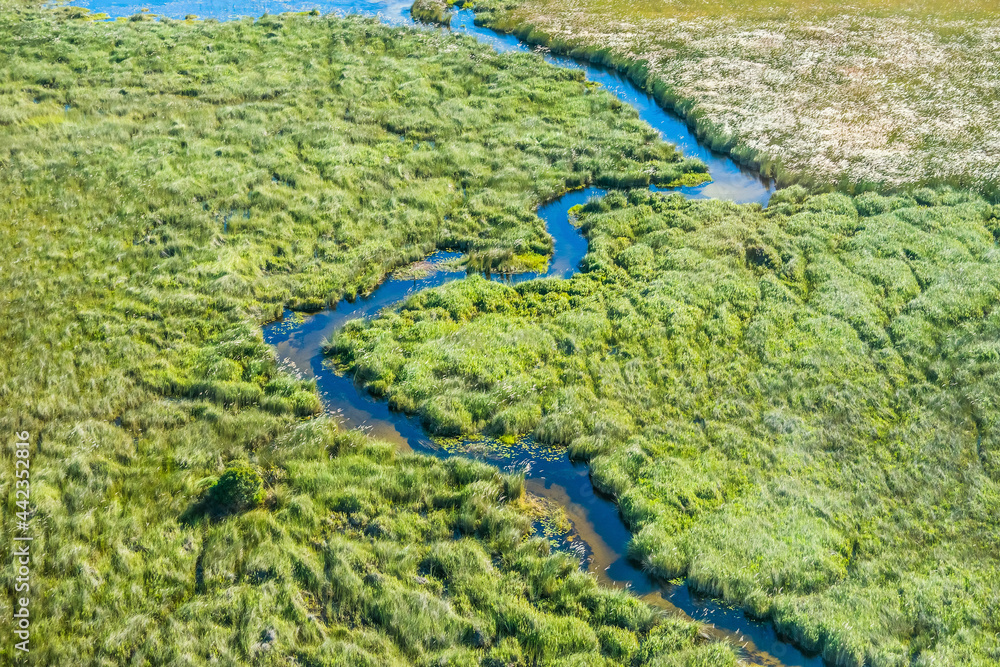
column 882, row 94
column 795, row 408
column 166, row 187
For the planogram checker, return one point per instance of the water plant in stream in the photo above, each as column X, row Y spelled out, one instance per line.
column 794, row 407
column 166, row 186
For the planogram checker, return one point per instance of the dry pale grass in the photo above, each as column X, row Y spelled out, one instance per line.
column 884, row 93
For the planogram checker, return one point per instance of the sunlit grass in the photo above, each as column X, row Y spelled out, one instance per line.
column 858, row 96
column 805, row 9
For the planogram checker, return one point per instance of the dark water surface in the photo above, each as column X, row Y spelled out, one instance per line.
column 601, row 536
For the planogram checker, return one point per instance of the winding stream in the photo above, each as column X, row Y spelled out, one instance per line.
column 599, row 535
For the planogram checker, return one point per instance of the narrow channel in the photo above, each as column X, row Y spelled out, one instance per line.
column 600, row 534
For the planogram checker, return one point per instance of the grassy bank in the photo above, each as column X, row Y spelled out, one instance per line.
column 166, row 187
column 794, row 408
column 880, row 95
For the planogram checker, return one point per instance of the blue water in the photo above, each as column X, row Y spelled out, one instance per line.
column 602, row 534
column 224, row 10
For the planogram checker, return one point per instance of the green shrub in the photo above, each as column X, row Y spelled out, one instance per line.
column 240, row 488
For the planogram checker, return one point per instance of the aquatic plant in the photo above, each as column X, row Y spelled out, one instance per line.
column 794, row 407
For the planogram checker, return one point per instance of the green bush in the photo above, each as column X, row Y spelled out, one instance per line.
column 240, row 488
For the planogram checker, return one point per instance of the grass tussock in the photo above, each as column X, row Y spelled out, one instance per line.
column 795, row 408
column 431, row 11
column 166, row 186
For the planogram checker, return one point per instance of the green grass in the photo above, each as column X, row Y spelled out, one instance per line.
column 167, row 186
column 872, row 95
column 795, row 408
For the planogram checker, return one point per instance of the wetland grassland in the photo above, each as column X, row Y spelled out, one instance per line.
column 795, row 408
column 165, row 188
column 876, row 94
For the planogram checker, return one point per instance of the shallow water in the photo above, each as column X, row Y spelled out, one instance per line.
column 600, row 535
column 223, row 10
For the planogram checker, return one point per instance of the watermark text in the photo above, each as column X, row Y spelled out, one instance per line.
column 22, row 541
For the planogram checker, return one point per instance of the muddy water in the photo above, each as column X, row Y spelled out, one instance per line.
column 600, row 536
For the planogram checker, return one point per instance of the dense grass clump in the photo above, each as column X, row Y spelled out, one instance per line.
column 796, row 408
column 167, row 186
column 239, row 489
column 431, row 11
